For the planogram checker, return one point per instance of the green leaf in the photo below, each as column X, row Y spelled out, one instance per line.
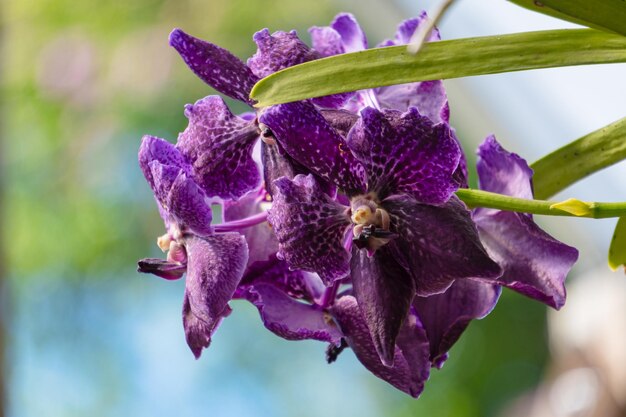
column 438, row 60
column 576, row 160
column 600, row 14
column 617, row 250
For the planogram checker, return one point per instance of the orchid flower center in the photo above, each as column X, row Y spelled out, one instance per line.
column 371, row 223
column 175, row 250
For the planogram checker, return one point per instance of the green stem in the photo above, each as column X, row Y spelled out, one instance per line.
column 576, row 208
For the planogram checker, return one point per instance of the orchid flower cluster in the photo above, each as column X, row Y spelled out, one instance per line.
column 346, row 229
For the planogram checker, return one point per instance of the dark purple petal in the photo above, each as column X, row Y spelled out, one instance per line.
column 295, row 283
column 291, row 319
column 215, row 267
column 219, row 146
column 308, row 138
column 215, row 66
column 277, row 51
column 502, row 172
column 157, row 149
column 384, row 291
column 199, row 329
column 187, row 203
column 310, row 228
column 406, row 153
column 161, row 268
column 437, row 244
column 429, row 97
column 407, row 377
column 534, row 263
column 445, row 316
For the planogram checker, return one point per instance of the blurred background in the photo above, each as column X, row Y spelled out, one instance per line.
column 82, row 334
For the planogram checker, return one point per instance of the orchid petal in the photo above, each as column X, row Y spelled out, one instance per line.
column 445, row 316
column 406, row 153
column 215, row 267
column 437, row 244
column 308, row 138
column 215, row 66
column 219, row 146
column 291, row 319
column 310, row 228
column 277, row 51
column 384, row 291
column 401, row 375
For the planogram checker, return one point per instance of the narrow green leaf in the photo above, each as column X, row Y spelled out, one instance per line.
column 617, row 250
column 576, row 160
column 438, row 60
column 600, row 14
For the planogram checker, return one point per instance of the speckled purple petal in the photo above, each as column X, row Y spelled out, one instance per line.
column 310, row 228
column 308, row 138
column 215, row 66
column 446, row 316
column 406, row 153
column 157, row 149
column 429, row 97
column 384, row 291
column 162, row 178
column 161, row 268
column 219, row 146
column 402, row 375
column 502, row 172
column 437, row 244
column 291, row 319
column 199, row 329
column 277, row 51
column 295, row 283
column 188, row 204
column 214, row 268
column 534, row 263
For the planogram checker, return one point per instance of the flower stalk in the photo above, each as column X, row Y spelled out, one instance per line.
column 572, row 207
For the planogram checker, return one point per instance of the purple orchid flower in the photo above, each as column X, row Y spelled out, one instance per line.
column 534, row 263
column 214, row 262
column 411, row 235
column 217, row 143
